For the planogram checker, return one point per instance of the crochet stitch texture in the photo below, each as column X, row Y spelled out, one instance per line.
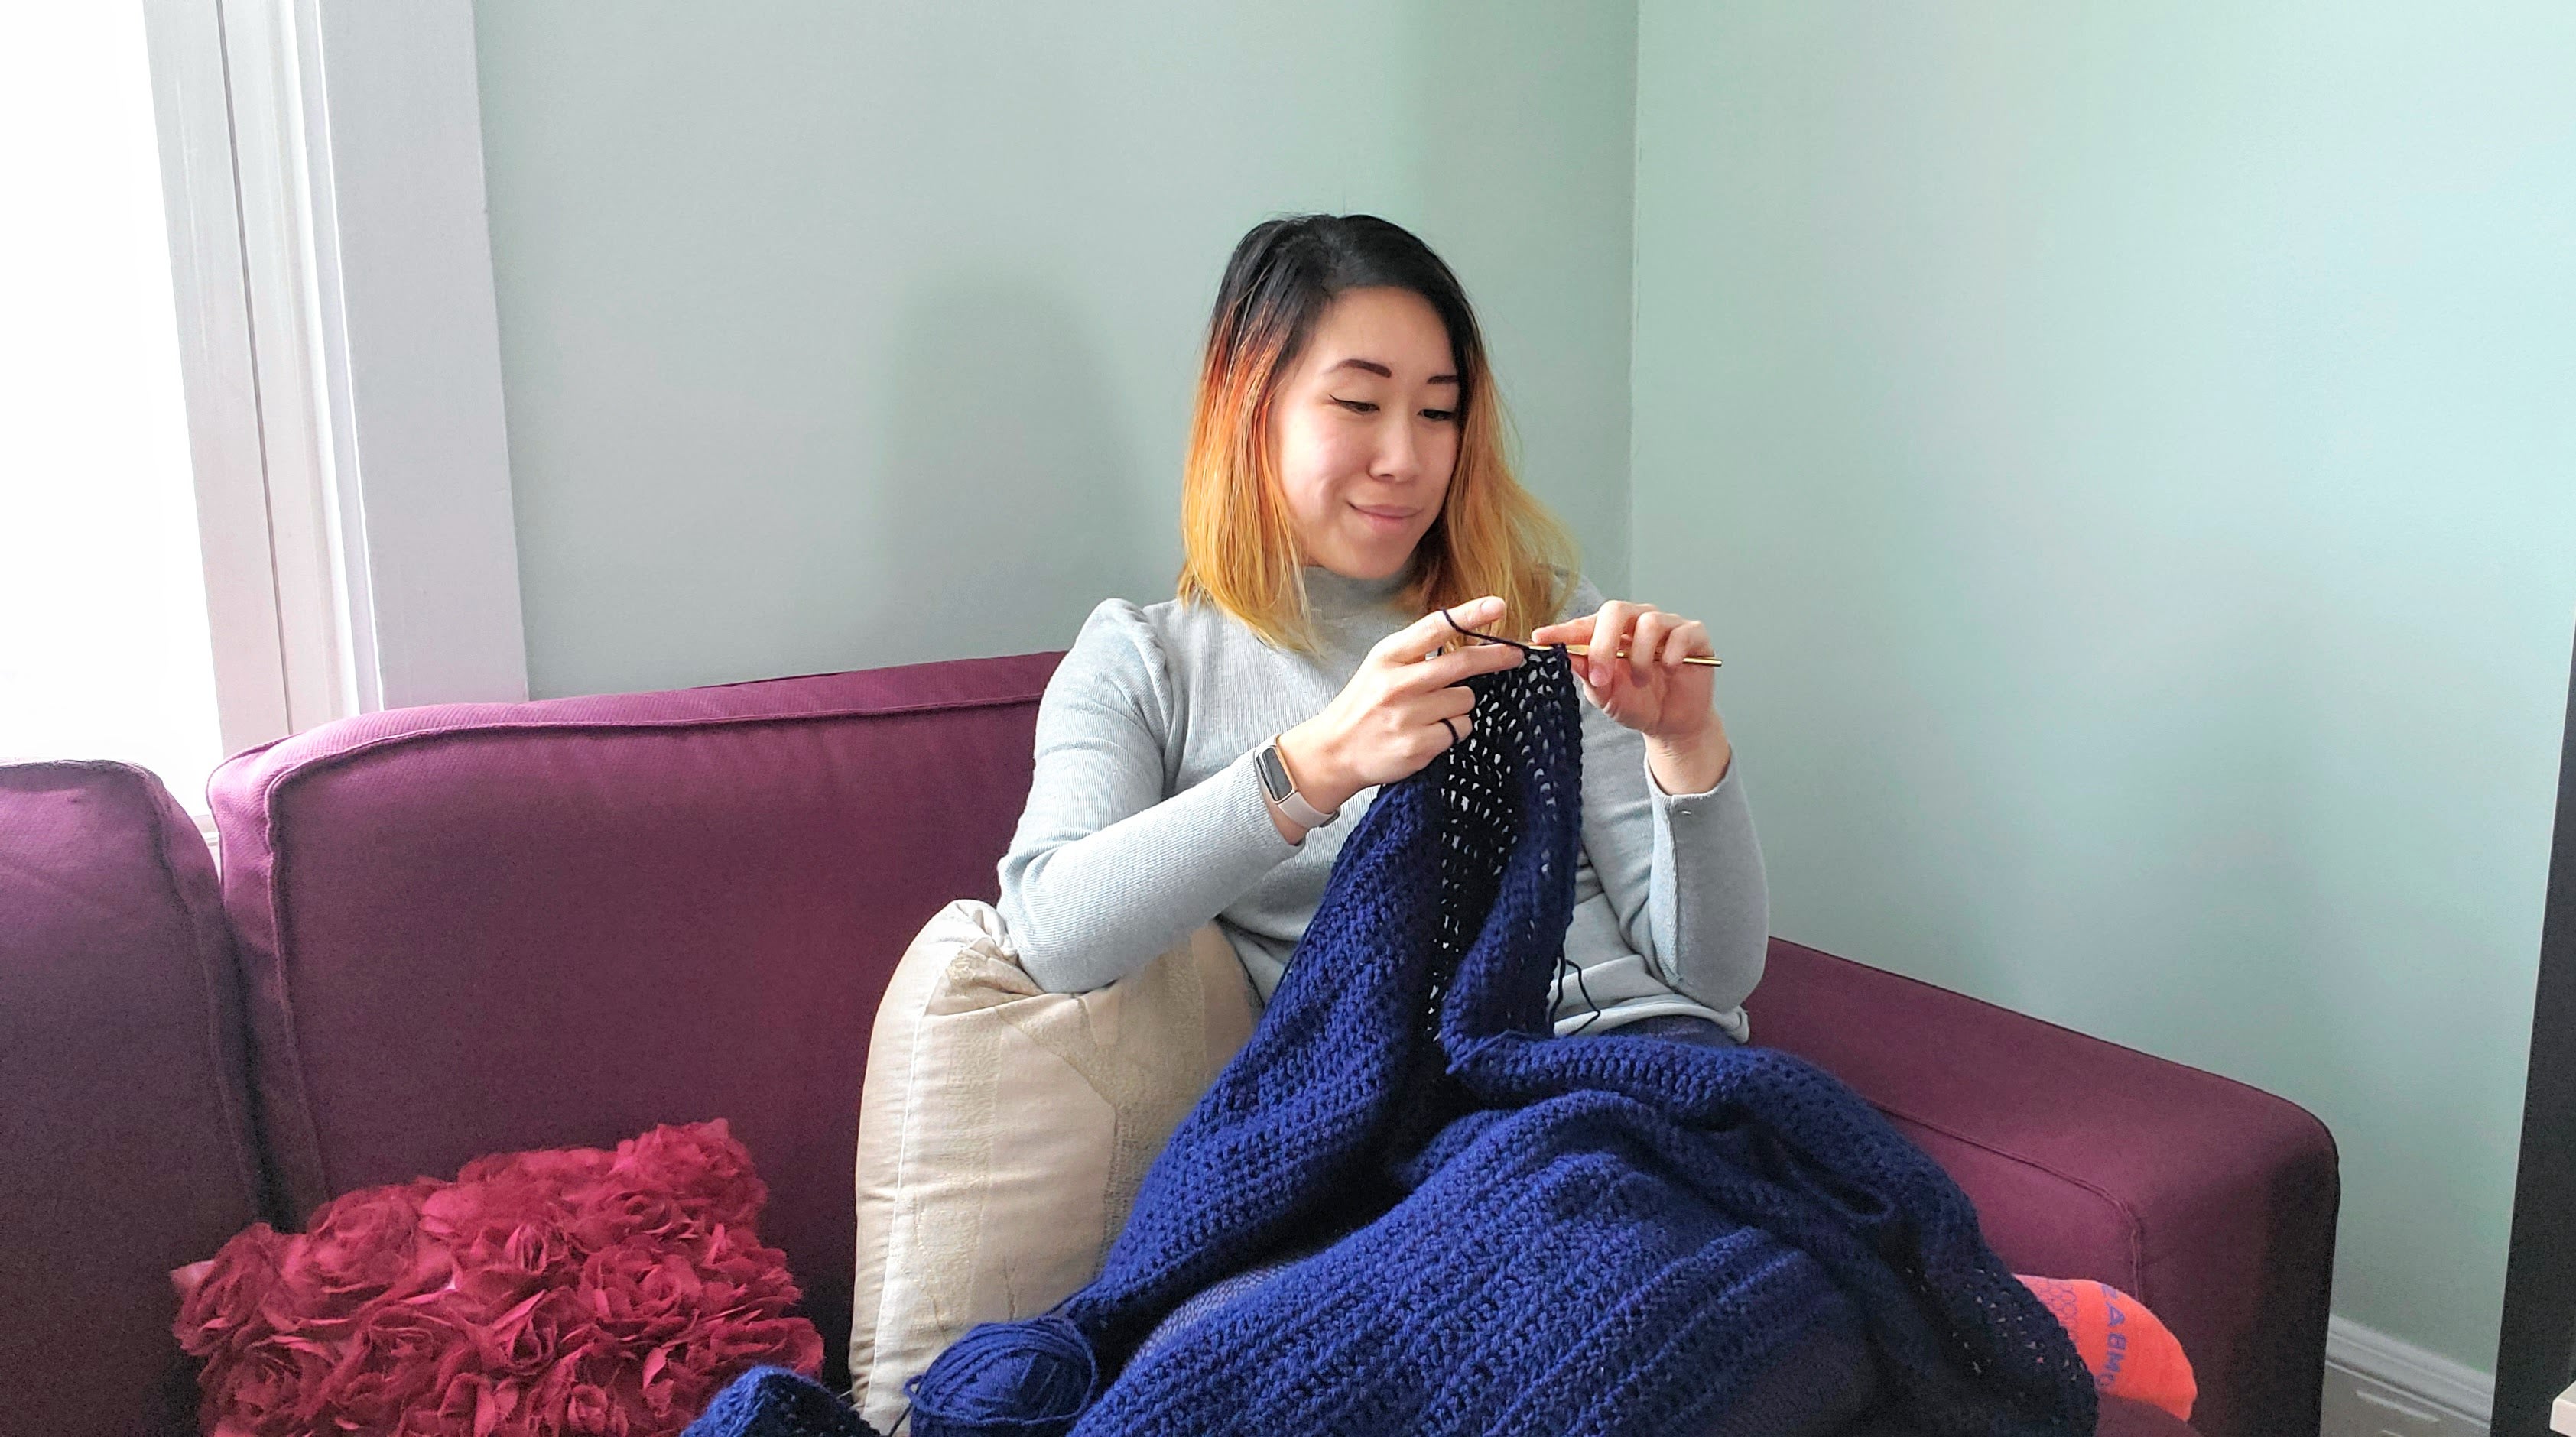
column 1527, row 1234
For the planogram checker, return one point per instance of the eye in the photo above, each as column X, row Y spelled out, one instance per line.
column 1440, row 416
column 1357, row 406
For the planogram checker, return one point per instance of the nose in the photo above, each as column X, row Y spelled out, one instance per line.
column 1399, row 455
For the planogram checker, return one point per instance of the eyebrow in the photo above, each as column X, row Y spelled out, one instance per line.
column 1382, row 372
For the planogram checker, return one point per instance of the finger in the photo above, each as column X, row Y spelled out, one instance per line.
column 1453, row 729
column 1456, row 666
column 1421, row 716
column 1608, row 628
column 1427, row 635
column 1647, row 643
column 1425, row 712
column 1563, row 631
column 1687, row 638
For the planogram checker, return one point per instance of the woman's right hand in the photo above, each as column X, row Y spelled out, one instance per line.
column 1385, row 724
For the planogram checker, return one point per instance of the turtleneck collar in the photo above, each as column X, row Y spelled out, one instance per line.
column 1334, row 594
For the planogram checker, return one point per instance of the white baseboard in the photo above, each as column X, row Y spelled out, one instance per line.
column 2377, row 1386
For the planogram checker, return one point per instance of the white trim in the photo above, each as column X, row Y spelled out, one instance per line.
column 411, row 346
column 322, row 609
column 2376, row 1383
column 2562, row 1413
column 323, row 167
column 218, row 368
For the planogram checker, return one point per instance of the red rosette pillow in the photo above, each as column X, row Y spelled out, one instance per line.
column 566, row 1291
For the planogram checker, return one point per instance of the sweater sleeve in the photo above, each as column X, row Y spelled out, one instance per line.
column 1683, row 872
column 1108, row 868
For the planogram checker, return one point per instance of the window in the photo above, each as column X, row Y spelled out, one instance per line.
column 105, row 651
column 254, row 363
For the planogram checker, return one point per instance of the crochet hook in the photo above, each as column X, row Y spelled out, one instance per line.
column 1703, row 660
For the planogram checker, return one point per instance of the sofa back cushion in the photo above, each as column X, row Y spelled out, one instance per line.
column 123, row 1096
column 481, row 928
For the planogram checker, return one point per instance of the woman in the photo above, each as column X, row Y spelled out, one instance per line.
column 1346, row 482
column 1345, row 485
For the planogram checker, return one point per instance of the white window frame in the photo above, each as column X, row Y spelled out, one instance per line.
column 322, row 165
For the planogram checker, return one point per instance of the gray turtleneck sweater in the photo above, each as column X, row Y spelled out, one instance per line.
column 1146, row 820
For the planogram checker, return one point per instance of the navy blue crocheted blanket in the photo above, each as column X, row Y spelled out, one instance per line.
column 1508, row 1232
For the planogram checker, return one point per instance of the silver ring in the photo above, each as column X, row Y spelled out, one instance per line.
column 1454, row 739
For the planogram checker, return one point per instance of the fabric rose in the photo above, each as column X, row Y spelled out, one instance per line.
column 564, row 1291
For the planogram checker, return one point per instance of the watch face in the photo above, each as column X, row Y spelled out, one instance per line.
column 1274, row 774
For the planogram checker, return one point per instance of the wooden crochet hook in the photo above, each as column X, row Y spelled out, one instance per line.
column 1703, row 660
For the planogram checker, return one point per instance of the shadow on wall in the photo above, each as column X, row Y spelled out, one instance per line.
column 1010, row 501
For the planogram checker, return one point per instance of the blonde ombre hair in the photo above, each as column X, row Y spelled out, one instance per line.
column 1238, row 544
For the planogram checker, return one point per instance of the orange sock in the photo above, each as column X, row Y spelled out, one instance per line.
column 2132, row 1354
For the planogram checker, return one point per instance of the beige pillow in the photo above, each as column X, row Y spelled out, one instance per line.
column 1004, row 1131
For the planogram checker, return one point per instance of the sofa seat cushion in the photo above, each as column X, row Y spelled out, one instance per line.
column 2123, row 1418
column 2120, row 1418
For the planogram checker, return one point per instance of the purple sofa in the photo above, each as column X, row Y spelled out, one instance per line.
column 450, row 931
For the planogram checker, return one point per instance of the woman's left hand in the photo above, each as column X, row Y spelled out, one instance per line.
column 1652, row 690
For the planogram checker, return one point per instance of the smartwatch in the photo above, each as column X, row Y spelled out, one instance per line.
column 1283, row 790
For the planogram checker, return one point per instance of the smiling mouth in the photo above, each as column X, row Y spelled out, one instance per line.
column 1385, row 513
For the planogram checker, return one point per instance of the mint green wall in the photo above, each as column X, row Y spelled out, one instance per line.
column 840, row 335
column 2127, row 456
column 2123, row 451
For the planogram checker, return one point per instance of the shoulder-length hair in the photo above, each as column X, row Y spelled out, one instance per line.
column 1237, row 540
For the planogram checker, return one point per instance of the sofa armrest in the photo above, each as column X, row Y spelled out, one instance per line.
column 2211, row 1202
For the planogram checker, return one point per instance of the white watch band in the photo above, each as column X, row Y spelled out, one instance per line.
column 1283, row 791
column 1306, row 814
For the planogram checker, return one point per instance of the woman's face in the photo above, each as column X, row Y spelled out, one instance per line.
column 1367, row 429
